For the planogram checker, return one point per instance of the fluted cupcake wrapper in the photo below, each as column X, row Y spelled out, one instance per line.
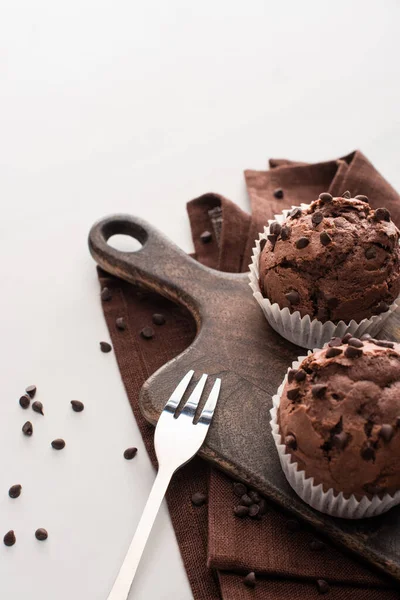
column 330, row 502
column 302, row 330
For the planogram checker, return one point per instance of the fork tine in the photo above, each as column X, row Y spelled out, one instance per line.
column 191, row 405
column 178, row 392
column 209, row 407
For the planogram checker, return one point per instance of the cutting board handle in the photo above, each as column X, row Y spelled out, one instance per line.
column 159, row 264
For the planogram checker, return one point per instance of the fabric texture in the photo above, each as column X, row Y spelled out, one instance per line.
column 217, row 548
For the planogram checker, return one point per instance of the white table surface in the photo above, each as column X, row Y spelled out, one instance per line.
column 127, row 106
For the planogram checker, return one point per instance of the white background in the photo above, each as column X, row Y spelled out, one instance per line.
column 138, row 107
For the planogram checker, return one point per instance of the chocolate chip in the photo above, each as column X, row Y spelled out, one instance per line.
column 293, row 525
column 255, row 496
column 27, row 428
column 41, row 534
column 302, row 243
column 275, row 228
column 291, row 375
column 239, row 489
column 317, row 545
column 322, row 586
column 291, row 442
column 263, row 507
column 382, row 214
column 105, row 347
column 199, row 499
column 381, row 308
column 325, row 197
column 158, row 319
column 250, row 580
column 272, row 238
column 77, row 405
column 120, row 323
column 38, row 407
column 206, row 237
column 295, row 213
column 370, row 253
column 278, row 193
column 332, row 352
column 246, row 500
column 9, row 539
column 15, row 491
column 362, row 198
column 318, row 390
column 241, row 511
column 373, row 488
column 325, row 238
column 147, row 333
column 254, row 509
column 262, row 244
column 293, row 394
column 300, row 375
column 386, row 432
column 362, row 215
column 58, row 444
column 285, row 233
column 368, row 451
column 317, row 217
column 31, row 391
column 340, row 440
column 25, row 401
column 336, row 341
column 384, row 344
column 346, row 338
column 366, row 337
column 352, row 352
column 105, row 294
column 355, row 342
column 293, row 297
column 130, row 453
column 346, row 194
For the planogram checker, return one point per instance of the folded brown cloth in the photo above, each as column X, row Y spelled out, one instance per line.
column 217, row 548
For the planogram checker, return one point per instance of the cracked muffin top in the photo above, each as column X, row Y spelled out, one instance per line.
column 337, row 260
column 339, row 416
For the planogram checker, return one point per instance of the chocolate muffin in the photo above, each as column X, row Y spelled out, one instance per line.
column 337, row 260
column 339, row 416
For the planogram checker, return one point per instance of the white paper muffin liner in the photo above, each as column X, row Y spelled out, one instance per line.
column 303, row 331
column 330, row 502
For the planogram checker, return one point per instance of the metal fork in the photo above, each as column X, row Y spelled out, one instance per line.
column 176, row 441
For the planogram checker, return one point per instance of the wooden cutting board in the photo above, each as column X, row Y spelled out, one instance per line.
column 234, row 342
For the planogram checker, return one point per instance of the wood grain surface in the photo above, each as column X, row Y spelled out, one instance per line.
column 234, row 342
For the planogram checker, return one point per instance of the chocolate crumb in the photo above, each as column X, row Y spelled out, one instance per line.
column 346, row 194
column 275, row 228
column 199, row 499
column 31, row 391
column 9, row 539
column 241, row 511
column 105, row 347
column 295, row 213
column 317, row 217
column 332, row 352
column 27, row 428
column 386, row 432
column 158, row 319
column 293, row 297
column 38, row 407
column 25, row 401
column 278, row 193
column 255, row 496
column 41, row 534
column 346, row 338
column 58, row 444
column 326, row 197
column 239, row 489
column 302, row 243
column 325, row 238
column 120, row 323
column 355, row 342
column 250, row 580
column 384, row 344
column 147, row 333
column 105, row 294
column 15, row 491
column 382, row 214
column 336, row 341
column 130, row 453
column 352, row 352
column 322, row 586
column 246, row 500
column 291, row 442
column 77, row 405
column 285, row 233
column 254, row 509
column 206, row 237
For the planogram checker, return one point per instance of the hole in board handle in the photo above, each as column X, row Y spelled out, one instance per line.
column 124, row 243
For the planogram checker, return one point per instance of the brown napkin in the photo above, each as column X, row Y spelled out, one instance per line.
column 217, row 548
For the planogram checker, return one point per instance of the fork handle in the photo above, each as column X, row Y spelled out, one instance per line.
column 123, row 583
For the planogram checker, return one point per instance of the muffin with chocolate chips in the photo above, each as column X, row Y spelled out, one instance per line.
column 337, row 260
column 339, row 420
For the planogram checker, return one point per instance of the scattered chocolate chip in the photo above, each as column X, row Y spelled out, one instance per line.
column 362, row 215
column 15, row 491
column 120, row 323
column 278, row 193
column 293, row 525
column 381, row 308
column 340, row 440
column 206, row 237
column 105, row 347
column 241, row 511
column 105, row 294
column 41, row 534
column 386, row 432
column 31, row 391
column 147, row 333
column 362, row 198
column 293, row 297
column 272, row 238
column 246, row 500
column 263, row 507
column 317, row 545
column 370, row 253
column 300, row 375
column 346, row 194
column 285, row 233
column 325, row 197
column 38, row 407
column 27, row 428
column 355, row 342
column 262, row 244
column 239, row 489
column 77, row 405
column 199, row 499
column 319, row 389
column 25, row 401
column 158, row 319
column 9, row 539
column 295, row 213
column 322, row 586
column 336, row 341
column 346, row 338
column 291, row 442
column 352, row 352
column 332, row 352
column 382, row 214
column 384, row 344
column 58, row 444
column 250, row 580
column 254, row 509
column 291, row 375
column 275, row 228
column 130, row 453
column 317, row 217
column 325, row 238
column 255, row 496
column 368, row 451
column 302, row 243
column 366, row 337
column 293, row 394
